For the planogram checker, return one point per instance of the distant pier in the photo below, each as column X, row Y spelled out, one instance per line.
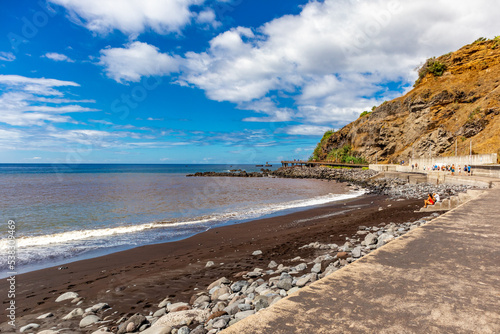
column 301, row 163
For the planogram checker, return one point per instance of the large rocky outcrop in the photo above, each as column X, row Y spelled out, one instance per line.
column 461, row 105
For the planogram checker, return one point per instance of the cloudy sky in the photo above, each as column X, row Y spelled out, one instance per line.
column 209, row 81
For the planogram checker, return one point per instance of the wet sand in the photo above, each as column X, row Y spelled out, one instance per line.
column 137, row 280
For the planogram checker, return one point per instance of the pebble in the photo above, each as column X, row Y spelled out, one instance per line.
column 209, row 264
column 257, row 252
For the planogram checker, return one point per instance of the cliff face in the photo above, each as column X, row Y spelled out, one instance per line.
column 462, row 104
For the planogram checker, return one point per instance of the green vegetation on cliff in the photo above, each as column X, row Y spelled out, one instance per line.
column 319, row 147
column 343, row 154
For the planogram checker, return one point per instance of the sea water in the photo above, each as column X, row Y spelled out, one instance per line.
column 65, row 213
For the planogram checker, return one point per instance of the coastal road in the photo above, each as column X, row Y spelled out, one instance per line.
column 443, row 277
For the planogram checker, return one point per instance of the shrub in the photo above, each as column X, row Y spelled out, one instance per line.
column 432, row 65
column 480, row 39
column 364, row 113
column 345, row 154
column 317, row 150
column 497, row 42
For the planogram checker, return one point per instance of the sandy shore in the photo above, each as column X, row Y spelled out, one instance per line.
column 137, row 280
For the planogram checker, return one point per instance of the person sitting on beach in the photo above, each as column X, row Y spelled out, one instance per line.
column 429, row 201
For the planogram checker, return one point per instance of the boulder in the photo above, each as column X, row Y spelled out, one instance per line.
column 301, row 267
column 157, row 330
column 285, row 283
column 272, row 265
column 219, row 292
column 201, row 299
column 303, row 281
column 66, row 296
column 371, row 239
column 45, row 316
column 233, row 308
column 89, row 320
column 383, row 239
column 183, row 330
column 216, row 315
column 238, row 286
column 219, row 282
column 97, row 308
column 159, row 313
column 163, row 303
column 182, row 318
column 261, row 302
column 174, row 306
column 28, row 327
column 220, row 323
column 199, row 330
column 316, row 268
column 356, row 252
column 242, row 315
column 73, row 314
column 132, row 324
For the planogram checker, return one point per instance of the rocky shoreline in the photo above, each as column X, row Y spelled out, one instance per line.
column 365, row 178
column 225, row 302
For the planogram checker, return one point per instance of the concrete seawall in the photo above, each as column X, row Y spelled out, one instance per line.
column 443, row 277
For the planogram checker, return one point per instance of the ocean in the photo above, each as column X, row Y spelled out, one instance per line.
column 65, row 213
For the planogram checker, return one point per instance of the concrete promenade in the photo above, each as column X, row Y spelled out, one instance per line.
column 443, row 277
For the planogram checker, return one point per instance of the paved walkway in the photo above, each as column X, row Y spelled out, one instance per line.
column 443, row 277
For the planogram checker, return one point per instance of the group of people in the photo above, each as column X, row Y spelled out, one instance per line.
column 448, row 168
column 431, row 200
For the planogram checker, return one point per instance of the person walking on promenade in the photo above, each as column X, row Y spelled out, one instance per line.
column 468, row 171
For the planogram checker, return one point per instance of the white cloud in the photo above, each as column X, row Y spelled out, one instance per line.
column 23, row 101
column 131, row 16
column 306, row 130
column 335, row 55
column 7, row 56
column 207, row 17
column 136, row 60
column 58, row 57
column 333, row 59
column 268, row 107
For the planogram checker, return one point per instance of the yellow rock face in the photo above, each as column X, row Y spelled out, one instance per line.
column 461, row 106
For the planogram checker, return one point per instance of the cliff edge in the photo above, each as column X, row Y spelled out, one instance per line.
column 455, row 99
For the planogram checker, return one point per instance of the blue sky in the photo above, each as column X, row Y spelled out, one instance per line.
column 209, row 81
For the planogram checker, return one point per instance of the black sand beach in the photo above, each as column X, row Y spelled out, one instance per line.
column 137, row 280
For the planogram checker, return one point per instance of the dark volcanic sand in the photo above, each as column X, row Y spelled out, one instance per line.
column 137, row 280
